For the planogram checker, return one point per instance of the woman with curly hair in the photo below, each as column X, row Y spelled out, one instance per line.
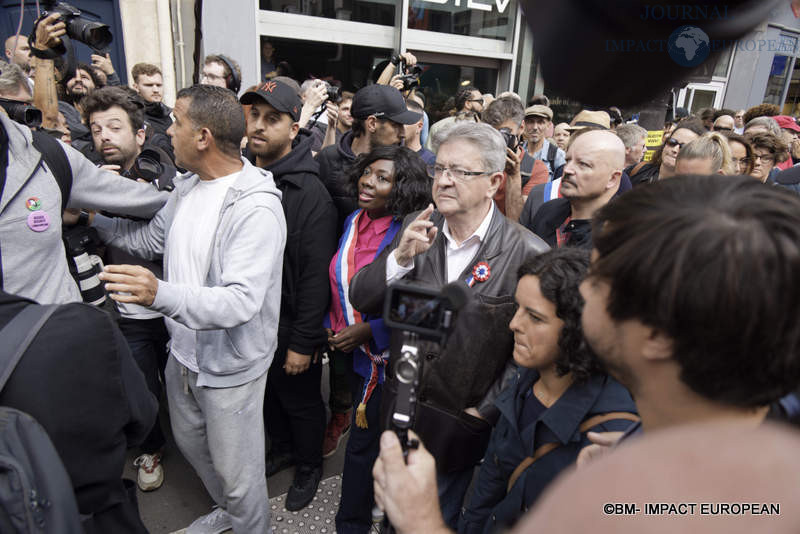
column 390, row 182
column 561, row 394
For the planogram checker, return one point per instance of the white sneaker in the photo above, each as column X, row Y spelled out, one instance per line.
column 214, row 523
column 151, row 474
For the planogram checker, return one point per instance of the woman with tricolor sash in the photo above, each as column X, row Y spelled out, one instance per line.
column 390, row 183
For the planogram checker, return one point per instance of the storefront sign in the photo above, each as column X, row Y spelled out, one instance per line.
column 484, row 5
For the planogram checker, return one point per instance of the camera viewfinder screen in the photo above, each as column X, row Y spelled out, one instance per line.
column 415, row 309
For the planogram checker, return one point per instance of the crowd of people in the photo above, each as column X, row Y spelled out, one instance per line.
column 248, row 236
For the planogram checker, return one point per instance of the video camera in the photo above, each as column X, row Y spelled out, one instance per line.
column 96, row 35
column 420, row 313
column 22, row 112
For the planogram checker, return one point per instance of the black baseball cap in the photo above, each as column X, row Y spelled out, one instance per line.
column 383, row 101
column 278, row 95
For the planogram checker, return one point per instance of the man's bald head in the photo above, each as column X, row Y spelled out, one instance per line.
column 706, row 464
column 19, row 52
column 724, row 123
column 595, row 160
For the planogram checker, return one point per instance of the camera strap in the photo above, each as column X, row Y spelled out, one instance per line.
column 17, row 335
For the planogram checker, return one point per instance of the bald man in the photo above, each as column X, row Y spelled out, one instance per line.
column 18, row 51
column 591, row 178
column 724, row 123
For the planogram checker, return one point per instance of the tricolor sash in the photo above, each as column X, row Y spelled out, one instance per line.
column 345, row 269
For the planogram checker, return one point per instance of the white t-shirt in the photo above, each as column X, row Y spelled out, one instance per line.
column 190, row 240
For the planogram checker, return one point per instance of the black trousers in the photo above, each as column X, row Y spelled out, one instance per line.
column 147, row 339
column 294, row 412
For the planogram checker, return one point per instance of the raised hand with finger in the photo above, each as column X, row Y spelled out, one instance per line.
column 417, row 238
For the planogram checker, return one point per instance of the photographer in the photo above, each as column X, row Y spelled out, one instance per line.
column 480, row 246
column 117, row 125
column 33, row 196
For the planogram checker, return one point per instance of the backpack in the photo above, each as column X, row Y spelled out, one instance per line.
column 36, row 494
column 552, row 152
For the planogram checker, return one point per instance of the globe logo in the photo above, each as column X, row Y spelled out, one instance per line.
column 688, row 46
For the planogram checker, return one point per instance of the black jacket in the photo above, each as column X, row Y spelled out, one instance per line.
column 156, row 114
column 490, row 507
column 551, row 216
column 478, row 350
column 79, row 381
column 310, row 245
column 333, row 163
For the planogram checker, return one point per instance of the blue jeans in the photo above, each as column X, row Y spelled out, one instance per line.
column 220, row 431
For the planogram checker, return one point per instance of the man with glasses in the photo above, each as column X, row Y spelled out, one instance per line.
column 483, row 249
column 221, row 71
column 724, row 123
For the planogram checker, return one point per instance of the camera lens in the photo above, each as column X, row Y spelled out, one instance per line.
column 406, row 370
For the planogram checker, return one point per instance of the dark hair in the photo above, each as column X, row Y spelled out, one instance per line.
column 714, row 263
column 87, row 69
column 347, row 95
column 768, row 141
column 707, row 114
column 503, row 109
column 761, row 110
column 539, row 100
column 217, row 109
column 107, row 97
column 693, row 125
column 358, row 128
column 144, row 69
column 560, row 272
column 724, row 111
column 748, row 148
column 412, row 185
column 462, row 95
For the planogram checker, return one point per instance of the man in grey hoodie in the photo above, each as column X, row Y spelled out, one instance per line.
column 222, row 235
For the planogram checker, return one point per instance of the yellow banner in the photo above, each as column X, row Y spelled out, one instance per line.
column 652, row 142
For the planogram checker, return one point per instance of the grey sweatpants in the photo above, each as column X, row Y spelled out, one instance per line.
column 220, row 431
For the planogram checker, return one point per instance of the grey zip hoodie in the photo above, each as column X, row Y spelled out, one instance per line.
column 34, row 264
column 235, row 315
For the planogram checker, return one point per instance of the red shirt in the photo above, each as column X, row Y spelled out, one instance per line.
column 370, row 235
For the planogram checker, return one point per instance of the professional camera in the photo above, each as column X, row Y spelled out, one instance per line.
column 153, row 166
column 512, row 141
column 334, row 93
column 411, row 77
column 22, row 113
column 420, row 313
column 96, row 35
column 86, row 267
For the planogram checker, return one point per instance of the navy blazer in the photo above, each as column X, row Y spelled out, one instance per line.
column 490, row 508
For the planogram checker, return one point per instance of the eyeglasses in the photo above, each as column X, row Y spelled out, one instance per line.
column 742, row 162
column 475, row 100
column 722, row 129
column 674, row 142
column 437, row 171
column 763, row 157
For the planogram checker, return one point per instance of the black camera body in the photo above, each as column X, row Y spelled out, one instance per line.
column 334, row 93
column 22, row 112
column 96, row 35
column 153, row 166
column 411, row 77
column 420, row 314
column 512, row 141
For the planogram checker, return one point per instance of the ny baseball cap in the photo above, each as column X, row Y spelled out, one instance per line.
column 278, row 95
column 383, row 101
